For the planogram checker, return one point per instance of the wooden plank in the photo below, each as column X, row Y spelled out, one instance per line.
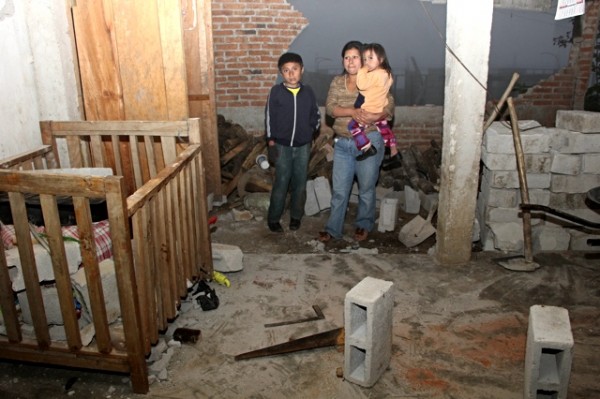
column 135, row 161
column 164, row 234
column 144, row 285
column 137, row 34
column 126, row 285
column 29, row 269
column 86, row 358
column 199, row 56
column 93, row 277
column 178, row 241
column 52, row 183
column 119, row 128
column 157, row 281
column 202, row 217
column 60, row 268
column 7, row 301
column 97, row 55
column 173, row 62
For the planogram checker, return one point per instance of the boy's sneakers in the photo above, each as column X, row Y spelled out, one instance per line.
column 369, row 152
column 392, row 162
column 294, row 224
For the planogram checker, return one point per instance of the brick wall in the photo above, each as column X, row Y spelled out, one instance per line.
column 249, row 37
column 565, row 89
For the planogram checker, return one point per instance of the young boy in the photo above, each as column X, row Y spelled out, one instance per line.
column 291, row 118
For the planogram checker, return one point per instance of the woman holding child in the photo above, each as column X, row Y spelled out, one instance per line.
column 340, row 105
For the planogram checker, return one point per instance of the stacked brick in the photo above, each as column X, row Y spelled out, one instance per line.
column 249, row 37
column 562, row 164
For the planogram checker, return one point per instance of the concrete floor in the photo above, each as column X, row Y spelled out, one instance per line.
column 458, row 332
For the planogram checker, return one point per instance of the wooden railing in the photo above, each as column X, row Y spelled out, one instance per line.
column 166, row 216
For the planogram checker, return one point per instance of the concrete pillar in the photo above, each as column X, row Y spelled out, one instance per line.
column 468, row 32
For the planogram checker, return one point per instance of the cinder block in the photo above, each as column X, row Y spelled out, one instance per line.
column 412, row 202
column 227, row 258
column 578, row 121
column 323, row 193
column 387, row 214
column 311, row 206
column 368, row 325
column 549, row 353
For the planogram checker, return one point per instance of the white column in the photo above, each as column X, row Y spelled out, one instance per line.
column 468, row 33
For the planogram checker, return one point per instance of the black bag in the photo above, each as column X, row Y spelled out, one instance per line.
column 206, row 297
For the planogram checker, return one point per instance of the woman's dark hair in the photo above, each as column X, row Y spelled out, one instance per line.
column 352, row 44
column 379, row 51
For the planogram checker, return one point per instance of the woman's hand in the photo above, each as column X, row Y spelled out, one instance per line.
column 366, row 118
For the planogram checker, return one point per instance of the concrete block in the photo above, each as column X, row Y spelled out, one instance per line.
column 579, row 241
column 109, row 288
column 51, row 305
column 534, row 139
column 502, row 215
column 368, row 325
column 538, row 196
column 507, row 236
column 574, row 184
column 428, row 200
column 323, row 192
column 568, row 142
column 549, row 353
column 578, row 121
column 534, row 163
column 565, row 164
column 497, row 197
column 566, row 201
column 548, row 237
column 43, row 262
column 388, row 214
column 227, row 258
column 591, row 163
column 412, row 202
column 311, row 206
column 510, row 179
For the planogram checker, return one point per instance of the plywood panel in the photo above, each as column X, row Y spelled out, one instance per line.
column 98, row 66
column 199, row 56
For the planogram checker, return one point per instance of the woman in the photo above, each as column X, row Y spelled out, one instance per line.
column 340, row 105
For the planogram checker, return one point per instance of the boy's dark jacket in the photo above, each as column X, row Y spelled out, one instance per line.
column 291, row 121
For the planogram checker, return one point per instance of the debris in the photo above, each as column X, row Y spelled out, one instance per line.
column 186, row 335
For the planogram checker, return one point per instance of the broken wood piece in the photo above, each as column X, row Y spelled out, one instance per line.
column 328, row 338
column 234, row 152
column 318, row 312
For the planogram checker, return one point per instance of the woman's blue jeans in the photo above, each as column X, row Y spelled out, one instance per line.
column 345, row 167
column 291, row 170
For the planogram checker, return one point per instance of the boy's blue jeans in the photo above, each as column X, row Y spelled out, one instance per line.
column 291, row 170
column 345, row 167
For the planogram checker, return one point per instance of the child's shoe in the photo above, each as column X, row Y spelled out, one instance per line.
column 392, row 162
column 369, row 152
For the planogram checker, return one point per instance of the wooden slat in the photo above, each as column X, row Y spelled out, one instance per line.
column 52, row 183
column 178, row 239
column 142, row 275
column 93, row 277
column 164, row 128
column 157, row 281
column 126, row 284
column 202, row 215
column 152, row 170
column 164, row 234
column 86, row 358
column 7, row 301
column 29, row 269
column 97, row 148
column 34, row 157
column 135, row 161
column 60, row 268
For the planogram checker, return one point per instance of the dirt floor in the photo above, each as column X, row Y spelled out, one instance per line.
column 458, row 332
